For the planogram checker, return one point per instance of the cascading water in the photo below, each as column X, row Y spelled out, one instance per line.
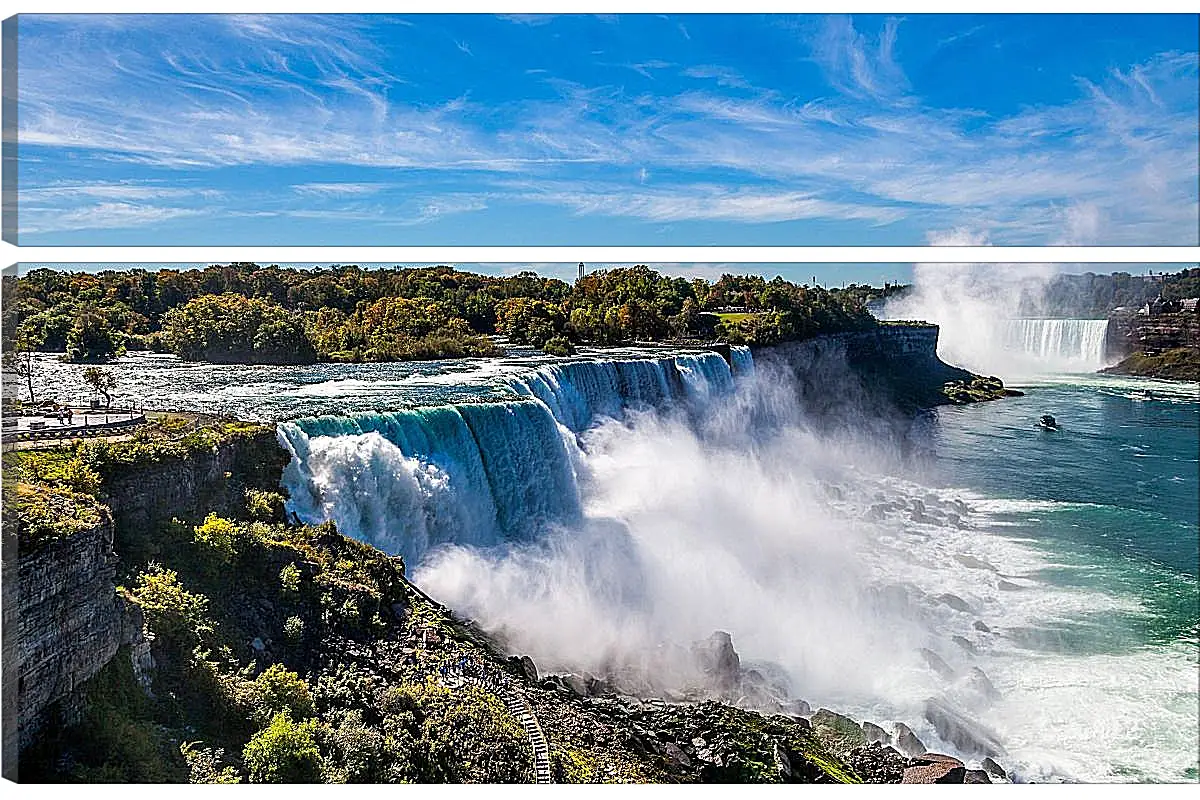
column 1068, row 345
column 478, row 474
column 614, row 512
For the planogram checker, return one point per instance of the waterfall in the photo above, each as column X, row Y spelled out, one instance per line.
column 480, row 474
column 1059, row 344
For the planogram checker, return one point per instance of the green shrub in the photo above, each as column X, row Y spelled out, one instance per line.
column 170, row 609
column 278, row 689
column 204, row 764
column 218, row 533
column 293, row 630
column 45, row 514
column 558, row 346
column 284, row 752
column 264, row 506
column 78, row 476
column 289, row 579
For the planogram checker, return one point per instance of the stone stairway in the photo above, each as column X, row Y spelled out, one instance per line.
column 519, row 707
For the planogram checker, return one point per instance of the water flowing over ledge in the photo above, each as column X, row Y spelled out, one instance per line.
column 481, row 473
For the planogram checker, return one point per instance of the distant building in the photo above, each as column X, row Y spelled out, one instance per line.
column 1190, row 304
column 1155, row 306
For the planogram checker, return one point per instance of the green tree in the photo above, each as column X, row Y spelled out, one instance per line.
column 18, row 359
column 92, row 337
column 278, row 689
column 101, row 380
column 233, row 328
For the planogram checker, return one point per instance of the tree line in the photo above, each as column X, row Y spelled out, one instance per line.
column 246, row 313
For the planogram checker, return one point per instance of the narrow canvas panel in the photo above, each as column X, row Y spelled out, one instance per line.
column 697, row 129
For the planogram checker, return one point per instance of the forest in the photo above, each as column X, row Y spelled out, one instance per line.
column 247, row 313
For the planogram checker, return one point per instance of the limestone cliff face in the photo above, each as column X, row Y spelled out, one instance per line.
column 69, row 623
column 144, row 497
column 887, row 368
column 1151, row 333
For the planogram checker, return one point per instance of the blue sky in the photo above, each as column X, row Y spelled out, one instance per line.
column 630, row 130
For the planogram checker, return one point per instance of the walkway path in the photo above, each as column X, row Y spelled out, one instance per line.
column 516, row 703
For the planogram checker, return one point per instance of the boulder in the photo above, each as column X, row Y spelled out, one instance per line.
column 971, row 562
column 576, row 683
column 976, row 776
column 876, row 763
column 934, row 768
column 529, row 668
column 719, row 661
column 874, row 733
column 968, row 735
column 937, row 663
column 978, row 682
column 954, row 601
column 965, row 644
column 907, row 741
column 995, row 769
column 979, row 626
column 798, row 708
column 840, row 731
column 676, row 755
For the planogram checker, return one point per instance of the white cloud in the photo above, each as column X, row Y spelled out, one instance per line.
column 106, row 215
column 335, row 189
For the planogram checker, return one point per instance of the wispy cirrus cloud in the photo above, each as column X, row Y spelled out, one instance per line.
column 338, row 189
column 1110, row 160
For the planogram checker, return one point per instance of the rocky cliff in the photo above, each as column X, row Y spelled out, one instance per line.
column 875, row 372
column 63, row 550
column 1155, row 345
column 146, row 494
column 1151, row 333
column 68, row 623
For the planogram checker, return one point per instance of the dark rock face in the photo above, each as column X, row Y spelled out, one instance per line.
column 934, row 768
column 1130, row 333
column 907, row 741
column 69, row 624
column 141, row 499
column 961, row 731
column 994, row 769
column 892, row 364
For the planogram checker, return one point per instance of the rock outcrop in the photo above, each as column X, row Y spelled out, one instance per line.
column 934, row 768
column 69, row 623
column 969, row 736
column 894, row 365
